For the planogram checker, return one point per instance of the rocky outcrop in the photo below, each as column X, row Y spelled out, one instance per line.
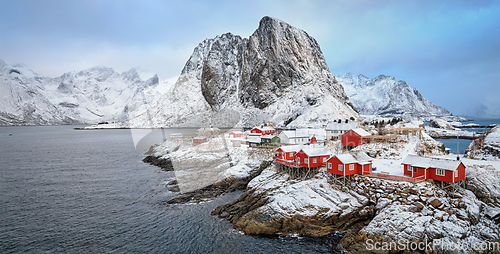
column 367, row 208
column 485, row 146
column 277, row 75
column 441, row 123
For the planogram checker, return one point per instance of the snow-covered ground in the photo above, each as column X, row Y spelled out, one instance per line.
column 199, row 165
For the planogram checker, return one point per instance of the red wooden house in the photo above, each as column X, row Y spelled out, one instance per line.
column 261, row 131
column 313, row 140
column 301, row 156
column 199, row 140
column 236, row 134
column 438, row 169
column 285, row 155
column 355, row 137
column 349, row 164
column 312, row 157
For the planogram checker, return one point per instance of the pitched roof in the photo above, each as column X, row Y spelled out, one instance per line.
column 294, row 148
column 361, row 132
column 431, row 162
column 343, row 126
column 354, row 157
column 312, row 151
column 270, row 136
column 254, row 140
column 292, row 134
column 266, row 128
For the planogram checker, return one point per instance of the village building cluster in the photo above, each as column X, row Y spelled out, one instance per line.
column 301, row 152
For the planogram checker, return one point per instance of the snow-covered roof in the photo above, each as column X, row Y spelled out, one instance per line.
column 266, row 128
column 254, row 140
column 292, row 134
column 361, row 132
column 294, row 148
column 354, row 157
column 343, row 126
column 268, row 136
column 431, row 162
column 312, row 151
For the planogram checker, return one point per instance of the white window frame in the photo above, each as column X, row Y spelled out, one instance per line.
column 456, row 173
column 290, row 154
column 341, row 167
column 306, row 160
column 410, row 168
column 351, row 167
column 329, row 165
column 314, row 160
column 298, row 159
column 440, row 172
column 324, row 159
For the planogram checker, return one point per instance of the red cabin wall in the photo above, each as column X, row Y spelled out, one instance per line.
column 255, row 130
column 420, row 171
column 335, row 166
column 350, row 138
column 310, row 164
column 279, row 153
column 461, row 173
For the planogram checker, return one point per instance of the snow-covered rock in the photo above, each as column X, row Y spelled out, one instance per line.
column 384, row 95
column 441, row 123
column 277, row 75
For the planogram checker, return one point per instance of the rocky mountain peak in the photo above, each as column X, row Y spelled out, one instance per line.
column 278, row 74
column 280, row 56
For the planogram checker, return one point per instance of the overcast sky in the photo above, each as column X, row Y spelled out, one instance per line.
column 449, row 50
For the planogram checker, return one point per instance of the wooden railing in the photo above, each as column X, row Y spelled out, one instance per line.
column 289, row 163
column 394, row 177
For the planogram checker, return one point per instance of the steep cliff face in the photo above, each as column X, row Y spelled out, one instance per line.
column 384, row 95
column 278, row 58
column 277, row 75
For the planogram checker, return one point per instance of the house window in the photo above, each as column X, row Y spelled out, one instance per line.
column 329, row 165
column 410, row 168
column 324, row 159
column 440, row 172
column 341, row 167
column 415, row 170
column 456, row 173
column 314, row 160
column 306, row 160
column 351, row 167
column 298, row 159
column 290, row 154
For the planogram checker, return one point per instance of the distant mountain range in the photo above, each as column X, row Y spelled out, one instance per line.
column 384, row 95
column 89, row 96
column 277, row 75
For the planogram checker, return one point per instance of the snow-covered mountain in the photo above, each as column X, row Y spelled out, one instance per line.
column 277, row 75
column 89, row 96
column 384, row 95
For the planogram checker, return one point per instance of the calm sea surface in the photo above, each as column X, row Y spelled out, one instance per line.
column 69, row 191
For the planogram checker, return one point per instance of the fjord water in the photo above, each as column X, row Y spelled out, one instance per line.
column 69, row 191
